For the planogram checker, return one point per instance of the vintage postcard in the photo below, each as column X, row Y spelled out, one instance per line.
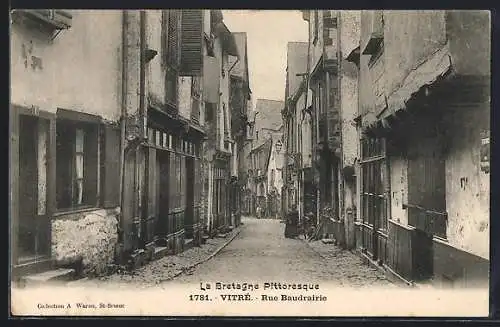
column 201, row 162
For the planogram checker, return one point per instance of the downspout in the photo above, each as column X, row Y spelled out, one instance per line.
column 142, row 73
column 142, row 115
column 316, row 131
column 234, row 160
column 340, row 175
column 123, row 117
column 307, row 80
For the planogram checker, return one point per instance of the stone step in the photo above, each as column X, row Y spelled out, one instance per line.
column 55, row 275
column 159, row 252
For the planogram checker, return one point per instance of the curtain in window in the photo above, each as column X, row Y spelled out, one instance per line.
column 78, row 195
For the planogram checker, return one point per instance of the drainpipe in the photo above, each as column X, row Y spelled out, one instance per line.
column 142, row 74
column 123, row 117
column 316, row 133
column 142, row 118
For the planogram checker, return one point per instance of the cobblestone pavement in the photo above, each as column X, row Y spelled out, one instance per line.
column 261, row 252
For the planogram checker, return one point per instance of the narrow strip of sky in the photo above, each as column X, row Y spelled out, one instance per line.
column 268, row 32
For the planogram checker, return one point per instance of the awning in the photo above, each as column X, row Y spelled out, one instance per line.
column 426, row 74
column 354, row 56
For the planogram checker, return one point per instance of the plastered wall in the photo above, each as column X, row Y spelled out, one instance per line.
column 79, row 70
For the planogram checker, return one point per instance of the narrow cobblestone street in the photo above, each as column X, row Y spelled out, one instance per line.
column 259, row 252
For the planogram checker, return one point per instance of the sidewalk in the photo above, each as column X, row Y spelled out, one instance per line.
column 164, row 269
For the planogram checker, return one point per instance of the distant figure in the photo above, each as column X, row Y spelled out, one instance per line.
column 291, row 227
column 259, row 212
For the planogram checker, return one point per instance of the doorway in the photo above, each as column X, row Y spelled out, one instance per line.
column 373, row 196
column 34, row 224
column 426, row 197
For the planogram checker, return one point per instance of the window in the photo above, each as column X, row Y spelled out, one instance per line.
column 225, row 113
column 171, row 86
column 173, row 37
column 373, row 196
column 77, row 164
column 320, row 105
column 171, row 56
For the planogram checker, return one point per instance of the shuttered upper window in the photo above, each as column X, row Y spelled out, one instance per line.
column 173, row 37
column 170, row 53
column 192, row 42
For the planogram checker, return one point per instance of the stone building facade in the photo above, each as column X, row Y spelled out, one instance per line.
column 66, row 104
column 111, row 153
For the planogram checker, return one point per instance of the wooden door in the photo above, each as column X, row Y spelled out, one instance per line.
column 150, row 215
column 426, row 199
column 130, row 205
column 163, row 196
column 190, row 179
column 33, row 233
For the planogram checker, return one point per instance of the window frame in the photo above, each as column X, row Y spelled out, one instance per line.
column 92, row 132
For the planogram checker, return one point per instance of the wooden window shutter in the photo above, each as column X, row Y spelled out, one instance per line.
column 192, row 42
column 173, row 37
column 164, row 37
column 90, row 165
column 111, row 167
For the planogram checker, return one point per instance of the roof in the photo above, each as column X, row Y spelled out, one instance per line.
column 241, row 67
column 296, row 60
column 228, row 41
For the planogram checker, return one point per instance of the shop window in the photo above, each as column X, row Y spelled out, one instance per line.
column 77, row 164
